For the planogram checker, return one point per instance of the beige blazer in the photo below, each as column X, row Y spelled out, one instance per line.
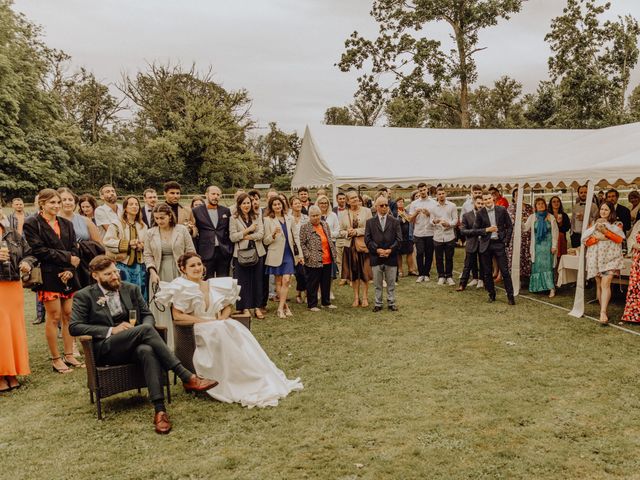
column 117, row 239
column 180, row 240
column 237, row 226
column 555, row 235
column 346, row 218
column 275, row 246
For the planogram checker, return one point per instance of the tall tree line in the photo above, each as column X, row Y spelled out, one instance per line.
column 411, row 80
column 61, row 127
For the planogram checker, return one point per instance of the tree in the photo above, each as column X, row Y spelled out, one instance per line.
column 498, row 107
column 634, row 104
column 338, row 116
column 591, row 64
column 277, row 152
column 420, row 66
column 32, row 150
column 406, row 112
column 195, row 125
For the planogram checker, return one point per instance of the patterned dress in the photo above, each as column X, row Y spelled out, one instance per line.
column 542, row 269
column 632, row 307
column 525, row 247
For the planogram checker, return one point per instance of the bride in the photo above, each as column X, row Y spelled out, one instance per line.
column 225, row 349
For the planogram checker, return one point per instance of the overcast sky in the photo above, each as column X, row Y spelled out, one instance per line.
column 282, row 51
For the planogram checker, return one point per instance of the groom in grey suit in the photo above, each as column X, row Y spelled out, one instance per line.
column 102, row 311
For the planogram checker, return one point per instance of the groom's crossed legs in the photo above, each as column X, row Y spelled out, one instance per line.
column 144, row 346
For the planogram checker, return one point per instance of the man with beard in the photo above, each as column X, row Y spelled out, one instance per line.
column 184, row 215
column 109, row 212
column 214, row 244
column 578, row 216
column 102, row 311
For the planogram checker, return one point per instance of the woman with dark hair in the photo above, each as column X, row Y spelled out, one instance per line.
column 632, row 305
column 15, row 260
column 564, row 223
column 53, row 242
column 224, row 346
column 603, row 240
column 406, row 245
column 281, row 245
column 543, row 247
column 88, row 204
column 124, row 242
column 165, row 243
column 246, row 231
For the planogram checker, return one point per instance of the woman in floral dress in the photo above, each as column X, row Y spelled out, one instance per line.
column 525, row 247
column 632, row 307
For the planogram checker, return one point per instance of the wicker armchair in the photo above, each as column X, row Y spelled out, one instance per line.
column 108, row 380
column 185, row 341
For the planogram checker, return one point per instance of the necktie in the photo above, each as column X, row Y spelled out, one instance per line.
column 382, row 221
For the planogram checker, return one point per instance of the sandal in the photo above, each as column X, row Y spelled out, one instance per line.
column 281, row 314
column 3, row 390
column 287, row 311
column 75, row 363
column 259, row 314
column 60, row 370
column 14, row 386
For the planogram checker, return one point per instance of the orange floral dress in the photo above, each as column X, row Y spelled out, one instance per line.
column 632, row 307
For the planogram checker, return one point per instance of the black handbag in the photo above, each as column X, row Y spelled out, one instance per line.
column 33, row 279
column 248, row 257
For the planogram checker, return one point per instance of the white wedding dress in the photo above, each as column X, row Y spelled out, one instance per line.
column 225, row 349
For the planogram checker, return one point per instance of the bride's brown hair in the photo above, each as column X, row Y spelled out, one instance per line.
column 182, row 261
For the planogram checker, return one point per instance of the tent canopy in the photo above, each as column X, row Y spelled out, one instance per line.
column 372, row 156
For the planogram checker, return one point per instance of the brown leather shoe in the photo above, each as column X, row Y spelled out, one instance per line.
column 162, row 423
column 198, row 384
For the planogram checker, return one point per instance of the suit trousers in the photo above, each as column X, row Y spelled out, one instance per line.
column 218, row 265
column 496, row 250
column 424, row 255
column 575, row 239
column 144, row 346
column 318, row 277
column 339, row 250
column 471, row 268
column 444, row 258
column 385, row 273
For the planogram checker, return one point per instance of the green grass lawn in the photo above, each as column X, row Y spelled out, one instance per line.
column 451, row 387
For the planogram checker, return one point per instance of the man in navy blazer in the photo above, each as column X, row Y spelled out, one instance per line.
column 382, row 235
column 213, row 243
column 495, row 228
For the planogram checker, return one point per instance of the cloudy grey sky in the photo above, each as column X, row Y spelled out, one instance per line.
column 282, row 51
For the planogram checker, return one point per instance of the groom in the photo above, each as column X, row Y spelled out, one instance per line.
column 102, row 310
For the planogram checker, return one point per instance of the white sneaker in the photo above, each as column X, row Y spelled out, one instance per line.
column 420, row 279
column 441, row 281
column 450, row 281
column 332, row 306
column 331, row 296
column 480, row 284
column 427, row 278
column 472, row 283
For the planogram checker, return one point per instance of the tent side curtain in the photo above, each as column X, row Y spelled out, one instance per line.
column 373, row 156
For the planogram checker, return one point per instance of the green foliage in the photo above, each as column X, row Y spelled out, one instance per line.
column 420, row 66
column 338, row 116
column 591, row 64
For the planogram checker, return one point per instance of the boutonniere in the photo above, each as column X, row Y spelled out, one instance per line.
column 224, row 215
column 102, row 301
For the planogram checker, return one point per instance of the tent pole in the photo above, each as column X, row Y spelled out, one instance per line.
column 578, row 301
column 517, row 241
column 334, row 186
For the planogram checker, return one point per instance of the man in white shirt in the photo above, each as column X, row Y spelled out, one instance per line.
column 444, row 217
column 420, row 215
column 577, row 216
column 150, row 201
column 109, row 212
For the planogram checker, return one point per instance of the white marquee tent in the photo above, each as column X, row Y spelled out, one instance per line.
column 368, row 156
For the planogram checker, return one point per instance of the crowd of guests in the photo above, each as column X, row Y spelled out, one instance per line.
column 262, row 245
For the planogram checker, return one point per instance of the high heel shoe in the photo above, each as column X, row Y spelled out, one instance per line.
column 287, row 311
column 60, row 370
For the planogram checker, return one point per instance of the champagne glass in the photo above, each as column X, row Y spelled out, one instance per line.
column 133, row 317
column 4, row 248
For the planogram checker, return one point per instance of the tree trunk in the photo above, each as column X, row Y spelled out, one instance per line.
column 464, row 79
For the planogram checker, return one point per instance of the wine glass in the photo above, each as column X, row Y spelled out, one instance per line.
column 133, row 317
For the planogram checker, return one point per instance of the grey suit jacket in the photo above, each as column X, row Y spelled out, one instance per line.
column 88, row 317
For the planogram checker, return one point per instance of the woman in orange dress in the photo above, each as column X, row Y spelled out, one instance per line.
column 52, row 240
column 15, row 259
